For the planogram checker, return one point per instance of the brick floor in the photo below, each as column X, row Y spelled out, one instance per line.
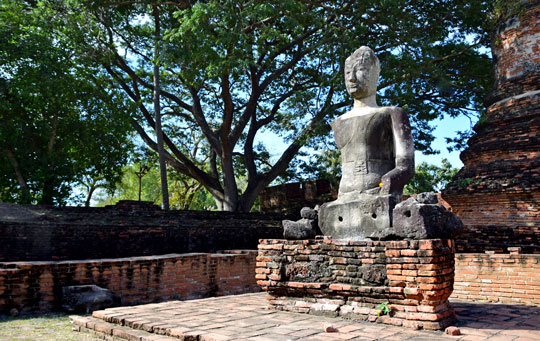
column 245, row 317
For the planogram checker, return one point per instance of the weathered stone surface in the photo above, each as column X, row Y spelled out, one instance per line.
column 377, row 156
column 305, row 271
column 416, row 220
column 309, row 213
column 87, row 298
column 427, row 198
column 289, row 198
column 305, row 228
column 373, row 273
column 356, row 219
column 301, row 229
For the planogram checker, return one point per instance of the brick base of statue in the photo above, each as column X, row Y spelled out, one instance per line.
column 404, row 283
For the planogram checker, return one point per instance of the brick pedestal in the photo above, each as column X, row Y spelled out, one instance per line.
column 357, row 279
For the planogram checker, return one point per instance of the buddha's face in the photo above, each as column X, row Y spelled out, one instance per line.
column 362, row 73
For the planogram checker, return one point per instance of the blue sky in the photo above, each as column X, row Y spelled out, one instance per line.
column 444, row 128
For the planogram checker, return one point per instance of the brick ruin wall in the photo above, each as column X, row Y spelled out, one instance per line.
column 37, row 286
column 351, row 279
column 497, row 193
column 498, row 222
column 125, row 230
column 501, row 278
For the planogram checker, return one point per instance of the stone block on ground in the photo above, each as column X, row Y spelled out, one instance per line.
column 454, row 331
column 87, row 298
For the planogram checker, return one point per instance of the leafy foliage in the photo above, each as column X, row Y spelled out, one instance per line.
column 430, row 178
column 185, row 193
column 383, row 309
column 233, row 69
column 58, row 123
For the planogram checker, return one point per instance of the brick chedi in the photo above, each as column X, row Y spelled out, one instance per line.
column 497, row 193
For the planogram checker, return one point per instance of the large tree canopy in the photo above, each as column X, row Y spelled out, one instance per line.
column 232, row 69
column 57, row 123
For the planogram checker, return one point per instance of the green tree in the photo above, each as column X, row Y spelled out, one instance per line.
column 59, row 122
column 141, row 181
column 232, row 69
column 430, row 178
column 324, row 162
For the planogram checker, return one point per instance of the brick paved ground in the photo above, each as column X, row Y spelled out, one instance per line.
column 245, row 317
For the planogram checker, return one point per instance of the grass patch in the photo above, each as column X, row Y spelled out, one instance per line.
column 51, row 326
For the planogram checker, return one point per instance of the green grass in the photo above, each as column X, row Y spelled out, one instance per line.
column 52, row 326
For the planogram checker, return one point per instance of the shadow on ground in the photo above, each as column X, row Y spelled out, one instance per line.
column 486, row 315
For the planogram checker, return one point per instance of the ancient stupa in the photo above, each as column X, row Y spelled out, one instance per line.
column 497, row 193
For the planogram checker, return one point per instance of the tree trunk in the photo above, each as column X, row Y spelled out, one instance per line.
column 230, row 189
column 47, row 197
column 91, row 190
column 140, row 185
column 25, row 198
column 157, row 110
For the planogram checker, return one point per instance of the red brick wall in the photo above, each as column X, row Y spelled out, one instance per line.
column 37, row 286
column 497, row 221
column 351, row 278
column 502, row 278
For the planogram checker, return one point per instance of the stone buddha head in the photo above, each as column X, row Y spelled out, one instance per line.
column 362, row 73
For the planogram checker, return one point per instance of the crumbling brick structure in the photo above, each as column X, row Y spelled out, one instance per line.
column 358, row 279
column 37, row 286
column 130, row 228
column 497, row 193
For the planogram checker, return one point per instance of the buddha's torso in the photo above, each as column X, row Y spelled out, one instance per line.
column 367, row 149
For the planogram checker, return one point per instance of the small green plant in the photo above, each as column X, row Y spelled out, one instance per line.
column 383, row 309
column 507, row 8
column 464, row 182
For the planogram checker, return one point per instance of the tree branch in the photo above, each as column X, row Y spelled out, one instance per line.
column 201, row 120
column 227, row 112
column 17, row 170
column 187, row 166
column 122, row 64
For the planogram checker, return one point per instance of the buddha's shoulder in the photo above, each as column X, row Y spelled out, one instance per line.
column 364, row 113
